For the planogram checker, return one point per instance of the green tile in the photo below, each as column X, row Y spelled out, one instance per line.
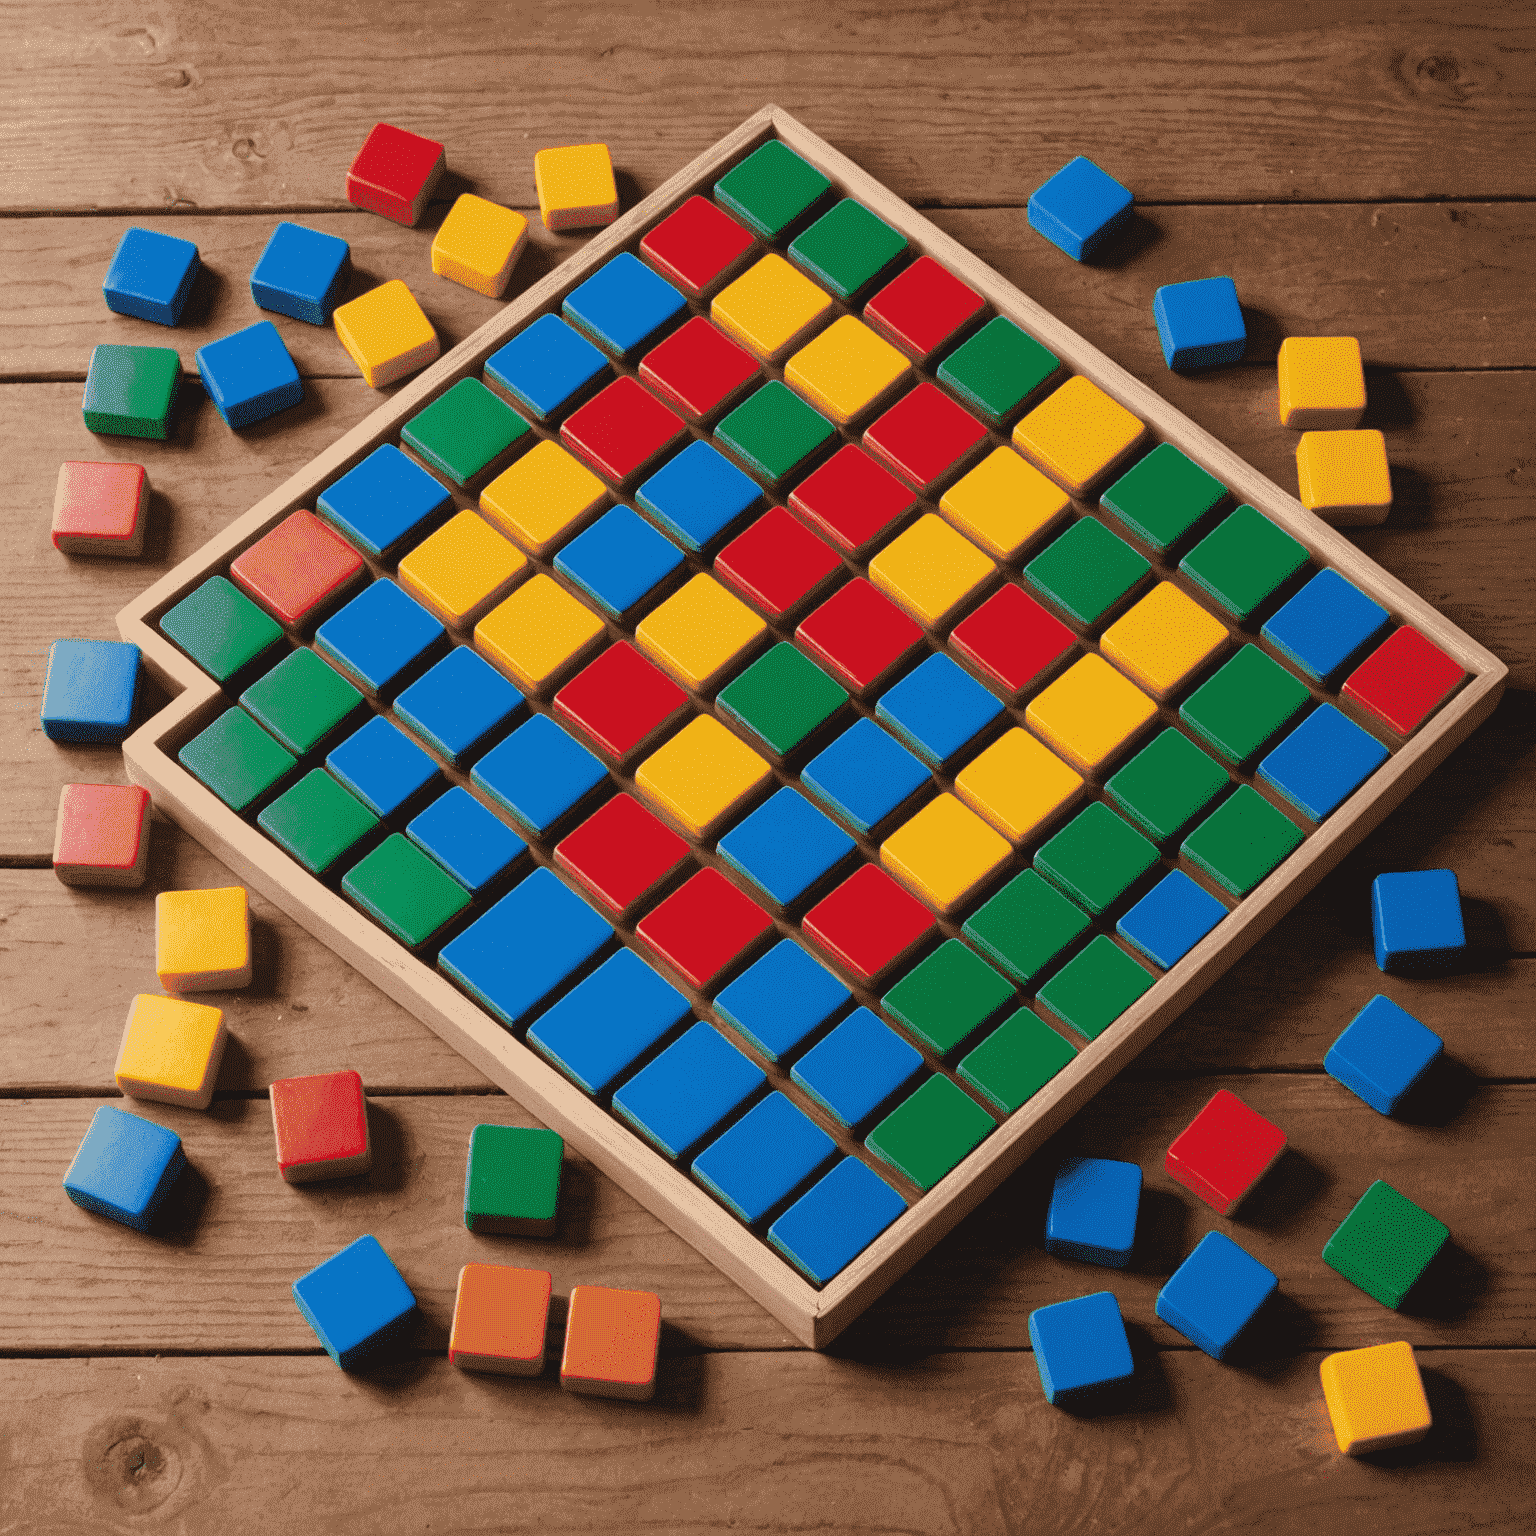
column 1086, row 572
column 774, row 432
column 512, row 1181
column 1163, row 497
column 948, row 997
column 1016, row 1060
column 1243, row 561
column 236, row 759
column 129, row 391
column 1095, row 987
column 1242, row 841
column 404, row 891
column 1242, row 708
column 1096, row 858
column 771, row 188
column 465, row 429
column 847, row 249
column 782, row 698
column 930, row 1131
column 1026, row 926
column 221, row 629
column 1385, row 1244
column 998, row 369
column 302, row 701
column 1166, row 785
column 317, row 821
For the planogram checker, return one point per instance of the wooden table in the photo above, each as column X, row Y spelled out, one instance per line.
column 1357, row 176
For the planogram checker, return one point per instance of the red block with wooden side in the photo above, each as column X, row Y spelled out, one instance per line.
column 321, row 1126
column 102, row 835
column 1403, row 681
column 621, row 854
column 1225, row 1151
column 395, row 173
column 611, row 1341
column 100, row 509
column 701, row 929
column 299, row 571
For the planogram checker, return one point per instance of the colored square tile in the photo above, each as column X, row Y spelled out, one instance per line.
column 703, row 776
column 381, row 638
column 1089, row 714
column 203, row 939
column 997, row 370
column 925, row 437
column 1078, row 434
column 459, row 705
column 931, row 570
column 1092, row 1215
column 771, row 309
column 478, row 243
column 547, row 367
column 868, row 924
column 697, row 247
column 500, row 1319
column 1004, row 504
column 298, row 570
column 1162, row 497
column 859, row 1066
column 621, row 854
column 1015, row 1061
column 924, row 308
column 621, row 702
column 386, row 333
column 538, row 774
column 1403, row 681
column 864, row 776
column 1170, row 919
column 1242, row 841
column 357, row 1303
column 830, row 1225
column 699, row 633
column 1375, row 1398
column 704, row 927
column 236, row 759
column 383, row 767
column 1344, row 477
column 1322, row 383
column 777, row 564
column 99, row 509
column 698, row 496
column 475, row 846
column 852, row 500
column 170, row 1051
column 463, row 570
column 1087, row 572
column 781, row 699
column 937, row 709
column 576, row 186
column 619, row 561
column 846, row 370
column 699, row 371
column 771, row 189
column 847, row 249
column 1385, row 1244
column 1200, row 323
column 543, row 498
column 1095, row 987
column 772, row 1150
column 151, row 276
column 1244, row 561
column 302, row 702
column 1383, row 1052
column 1224, row 1151
column 222, row 630
column 774, row 433
column 780, row 1001
column 1322, row 762
column 1012, row 641
column 860, row 635
column 512, row 1180
column 1215, row 1293
column 946, row 853
column 317, row 821
column 624, row 306
column 682, row 1097
column 538, row 634
column 465, row 431
column 249, row 375
column 1244, row 706
column 384, row 501
column 1163, row 640
column 622, row 430
column 1416, row 921
column 89, row 690
column 124, row 1168
column 785, row 847
column 101, row 836
column 1017, row 785
column 1081, row 1348
column 1096, row 858
column 1166, row 785
column 611, row 1341
column 129, row 391
column 394, row 173
column 1079, row 207
column 1327, row 626
column 301, row 273
column 947, row 996
column 930, row 1132
column 320, row 1125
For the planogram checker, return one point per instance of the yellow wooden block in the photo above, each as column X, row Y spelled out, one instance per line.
column 170, row 1051
column 771, row 309
column 1164, row 640
column 1005, row 504
column 576, row 186
column 931, row 570
column 703, row 776
column 944, row 853
column 1018, row 785
column 463, row 570
column 1343, row 477
column 386, row 334
column 1089, row 714
column 1375, row 1398
column 543, row 498
column 478, row 244
column 538, row 634
column 1322, row 383
column 846, row 370
column 699, row 633
column 203, row 939
column 1078, row 434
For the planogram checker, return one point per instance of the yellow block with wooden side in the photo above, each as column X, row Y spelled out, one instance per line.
column 538, row 635
column 1078, row 434
column 847, row 370
column 931, row 570
column 1090, row 714
column 463, row 570
column 203, row 939
column 1344, row 477
column 386, row 333
column 945, row 853
column 703, row 776
column 1005, row 504
column 170, row 1051
column 1163, row 640
column 1322, row 383
column 700, row 633
column 1018, row 784
column 576, row 186
column 478, row 244
column 1375, row 1398
column 771, row 309
column 543, row 498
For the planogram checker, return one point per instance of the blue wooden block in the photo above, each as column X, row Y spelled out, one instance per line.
column 1382, row 1054
column 1215, row 1293
column 769, row 1152
column 125, row 1167
column 382, row 766
column 619, row 561
column 89, row 690
column 781, row 1000
column 860, row 1065
column 864, row 775
column 835, row 1220
column 1170, row 919
column 547, row 367
column 1416, row 920
column 473, row 844
column 539, row 774
column 1079, row 207
column 536, row 936
column 457, row 705
column 1322, row 762
column 1081, row 1350
column 1327, row 626
column 786, row 847
column 608, row 1021
column 381, row 637
column 699, row 496
column 249, row 375
column 1093, row 1210
column 383, row 501
column 682, row 1096
column 624, row 305
column 357, row 1302
column 301, row 273
column 151, row 276
column 937, row 709
column 1200, row 324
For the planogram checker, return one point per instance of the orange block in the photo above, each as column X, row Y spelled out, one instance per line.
column 611, row 1339
column 500, row 1318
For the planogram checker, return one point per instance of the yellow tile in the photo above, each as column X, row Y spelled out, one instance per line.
column 576, row 186
column 703, row 776
column 931, row 570
column 1089, row 714
column 543, row 498
column 203, row 939
column 944, row 853
column 699, row 633
column 1343, row 477
column 845, row 370
column 1164, row 640
column 170, row 1051
column 1005, row 503
column 1375, row 1398
column 538, row 634
column 463, row 570
column 386, row 334
column 1078, row 434
column 1322, row 383
column 1018, row 785
column 771, row 308
column 478, row 244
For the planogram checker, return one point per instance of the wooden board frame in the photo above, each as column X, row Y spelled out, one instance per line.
column 812, row 1316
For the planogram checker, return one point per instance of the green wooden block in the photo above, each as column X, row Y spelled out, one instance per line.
column 1242, row 841
column 1243, row 561
column 404, row 891
column 221, row 629
column 1016, row 1060
column 771, row 188
column 1026, row 927
column 317, row 821
column 1096, row 858
column 464, row 431
column 1239, row 710
column 998, row 369
column 1164, row 496
column 1095, row 987
column 782, row 698
column 930, row 1131
column 1385, row 1244
column 847, row 249
column 302, row 702
column 1167, row 785
column 774, row 432
column 236, row 759
column 512, row 1181
column 947, row 997
column 1086, row 572
column 129, row 391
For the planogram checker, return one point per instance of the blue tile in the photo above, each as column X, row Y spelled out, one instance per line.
column 547, row 367
column 857, row 1068
column 1079, row 207
column 1382, row 1054
column 250, row 375
column 1092, row 1215
column 782, row 999
column 301, row 273
column 618, row 560
column 382, row 766
column 89, row 690
column 1327, row 626
column 473, row 844
column 1416, row 920
column 380, row 637
column 835, row 1220
column 357, row 1303
column 1170, row 919
column 624, row 306
column 383, row 501
column 682, row 1096
column 785, row 847
column 1081, row 1348
column 538, row 774
column 937, row 708
column 151, row 276
column 699, row 496
column 864, row 775
column 1200, row 324
column 768, row 1153
column 1215, row 1293
column 125, row 1167
column 457, row 705
column 1322, row 762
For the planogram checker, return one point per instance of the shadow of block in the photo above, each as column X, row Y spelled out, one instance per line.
column 1449, row 1288
column 1452, row 1434
column 1162, row 1233
column 1440, row 1095
column 1284, row 1193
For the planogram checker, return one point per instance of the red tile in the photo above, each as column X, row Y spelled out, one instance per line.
column 1404, row 681
column 925, row 436
column 869, row 922
column 621, row 853
column 697, row 247
column 98, row 509
column 1225, row 1151
column 392, row 171
column 322, row 1126
column 297, row 570
column 622, row 430
column 700, row 929
column 777, row 564
column 860, row 634
column 1012, row 641
column 852, row 500
column 620, row 702
column 698, row 370
column 102, row 834
column 926, row 306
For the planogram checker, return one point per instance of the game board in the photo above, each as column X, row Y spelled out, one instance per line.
column 982, row 1035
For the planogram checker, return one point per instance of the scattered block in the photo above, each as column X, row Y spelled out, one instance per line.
column 576, row 187
column 357, row 1303
column 703, row 777
column 1090, row 714
column 384, row 501
column 622, row 854
column 862, row 1064
column 99, row 509
column 699, row 372
column 223, row 631
column 772, row 309
column 1163, row 497
column 395, row 173
column 777, row 564
column 621, row 703
column 624, row 306
column 1081, row 1349
column 846, row 371
column 931, row 570
column 129, row 391
column 249, row 375
column 1344, row 477
column 543, row 498
column 320, row 1124
column 946, row 853
column 859, row 635
column 1026, row 927
column 864, row 776
column 786, row 848
column 835, row 1220
column 500, row 1320
column 704, row 927
column 1166, row 786
column 459, row 705
column 923, row 309
column 237, row 760
column 1416, row 921
column 539, row 775
column 770, row 1152
column 1375, row 1398
column 1242, row 707
column 386, row 333
column 1096, row 858
column 1215, row 1294
column 1200, row 323
column 848, row 249
column 931, row 1131
column 852, row 501
column 512, row 1180
column 478, row 244
column 301, row 273
column 925, row 438
column 203, row 940
column 1078, row 435
column 151, row 276
column 89, row 691
column 1004, row 504
column 683, row 1097
column 383, row 767
column 381, row 639
column 1079, row 208
column 298, row 571
column 1224, row 1151
column 937, row 709
column 700, row 633
column 1092, row 1215
column 1322, row 762
column 1015, row 1061
column 998, row 370
column 781, row 699
column 466, row 433
column 124, row 1168
column 1385, row 1244
column 622, row 432
column 771, row 189
column 470, row 843
column 170, row 1051
column 619, row 561
column 1327, row 626
column 947, row 997
column 1087, row 573
column 102, row 835
column 1382, row 1054
column 317, row 821
column 1322, row 383
column 1018, row 785
column 611, row 1342
column 1242, row 842
column 463, row 570
column 780, row 1001
column 1403, row 681
column 869, row 923
column 1012, row 641
column 1243, row 562
column 547, row 367
column 1170, row 919
column 699, row 496
column 1095, row 987
column 699, row 247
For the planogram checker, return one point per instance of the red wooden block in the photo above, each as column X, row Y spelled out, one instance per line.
column 102, row 834
column 1225, row 1151
column 869, row 922
column 698, row 369
column 1012, row 641
column 298, row 570
column 860, row 634
column 778, row 564
column 697, row 247
column 852, row 500
column 621, row 702
column 622, row 430
column 923, row 308
column 925, row 436
column 1403, row 681
column 611, row 1341
column 701, row 928
column 394, row 173
column 98, row 509
column 321, row 1124
column 621, row 853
